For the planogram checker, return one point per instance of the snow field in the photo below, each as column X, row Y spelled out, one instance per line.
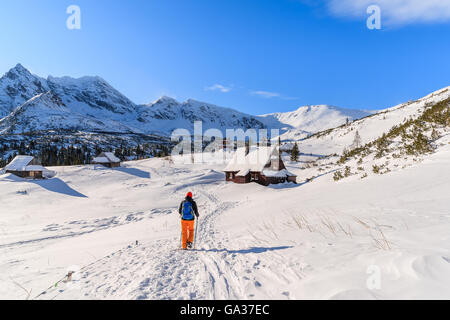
column 312, row 240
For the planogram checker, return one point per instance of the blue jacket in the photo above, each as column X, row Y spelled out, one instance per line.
column 194, row 207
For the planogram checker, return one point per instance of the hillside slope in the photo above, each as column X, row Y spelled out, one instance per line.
column 17, row 86
column 307, row 120
column 369, row 128
column 47, row 111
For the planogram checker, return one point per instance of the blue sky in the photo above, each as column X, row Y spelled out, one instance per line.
column 257, row 56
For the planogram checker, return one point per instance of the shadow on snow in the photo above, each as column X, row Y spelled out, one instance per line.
column 54, row 185
column 245, row 251
column 58, row 186
column 134, row 172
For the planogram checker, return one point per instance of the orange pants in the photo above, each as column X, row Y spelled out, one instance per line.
column 187, row 231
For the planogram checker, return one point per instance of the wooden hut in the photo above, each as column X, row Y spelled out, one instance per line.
column 26, row 167
column 262, row 165
column 107, row 159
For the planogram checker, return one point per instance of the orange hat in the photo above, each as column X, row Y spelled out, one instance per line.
column 189, row 195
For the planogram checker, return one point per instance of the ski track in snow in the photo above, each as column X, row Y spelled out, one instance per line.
column 160, row 271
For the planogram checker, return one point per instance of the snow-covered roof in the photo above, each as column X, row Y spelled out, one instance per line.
column 22, row 163
column 111, row 157
column 19, row 163
column 34, row 168
column 235, row 164
column 256, row 160
column 243, row 173
column 106, row 157
column 101, row 160
column 278, row 174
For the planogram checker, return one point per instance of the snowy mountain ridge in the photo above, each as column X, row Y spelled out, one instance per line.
column 91, row 104
column 29, row 103
column 28, row 118
column 166, row 114
column 17, row 86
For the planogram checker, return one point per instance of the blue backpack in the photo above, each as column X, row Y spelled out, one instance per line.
column 187, row 212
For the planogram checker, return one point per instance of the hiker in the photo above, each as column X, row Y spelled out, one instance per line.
column 188, row 211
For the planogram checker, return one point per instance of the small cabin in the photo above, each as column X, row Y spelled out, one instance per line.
column 262, row 165
column 26, row 167
column 107, row 159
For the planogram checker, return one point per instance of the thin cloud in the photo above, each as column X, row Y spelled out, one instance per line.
column 265, row 94
column 395, row 12
column 270, row 95
column 218, row 87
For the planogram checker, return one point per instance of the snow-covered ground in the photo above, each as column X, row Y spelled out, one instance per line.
column 319, row 240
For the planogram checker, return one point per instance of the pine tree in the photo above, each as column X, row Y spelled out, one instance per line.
column 138, row 152
column 295, row 153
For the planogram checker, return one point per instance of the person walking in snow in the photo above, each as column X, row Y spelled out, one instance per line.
column 188, row 212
